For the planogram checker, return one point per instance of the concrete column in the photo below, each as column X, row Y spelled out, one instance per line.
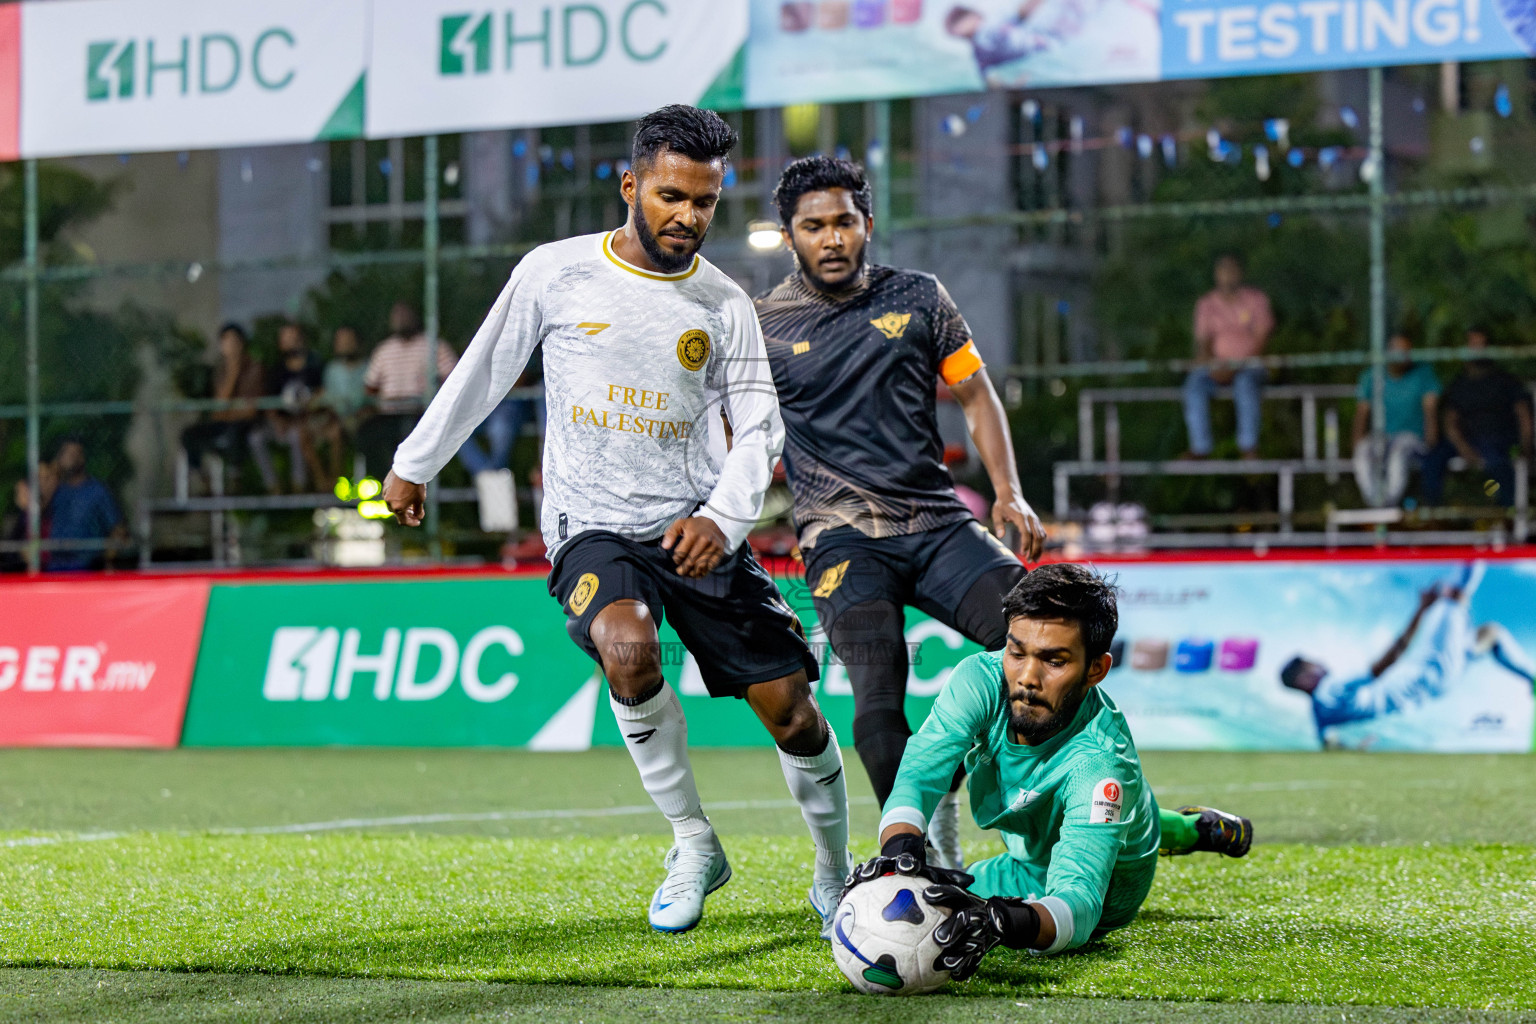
column 488, row 188
column 272, row 205
column 968, row 172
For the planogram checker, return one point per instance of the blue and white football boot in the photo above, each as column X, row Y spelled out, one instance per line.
column 826, row 888
column 695, row 868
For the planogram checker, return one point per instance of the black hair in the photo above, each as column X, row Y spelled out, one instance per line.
column 413, row 324
column 817, row 174
column 1292, row 671
column 956, row 15
column 1068, row 591
column 701, row 135
column 231, row 326
column 1233, row 255
column 66, row 439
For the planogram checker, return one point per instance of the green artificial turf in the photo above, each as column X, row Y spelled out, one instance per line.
column 122, row 997
column 1308, row 798
column 1377, row 881
column 1444, row 926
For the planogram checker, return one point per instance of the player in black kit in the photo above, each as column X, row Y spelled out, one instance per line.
column 857, row 351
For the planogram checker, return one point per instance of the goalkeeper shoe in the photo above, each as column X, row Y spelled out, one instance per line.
column 1220, row 832
column 944, row 832
column 825, row 893
column 693, row 872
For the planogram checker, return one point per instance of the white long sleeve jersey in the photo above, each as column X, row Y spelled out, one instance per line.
column 638, row 368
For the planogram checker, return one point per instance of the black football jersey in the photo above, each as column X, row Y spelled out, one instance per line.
column 856, row 375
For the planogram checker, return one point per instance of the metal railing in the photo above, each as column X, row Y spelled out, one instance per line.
column 1112, row 398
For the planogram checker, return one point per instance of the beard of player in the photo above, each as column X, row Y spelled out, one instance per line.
column 1033, row 731
column 665, row 260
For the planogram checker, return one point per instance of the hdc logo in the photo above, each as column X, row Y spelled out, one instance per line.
column 211, row 64
column 310, row 663
column 581, row 34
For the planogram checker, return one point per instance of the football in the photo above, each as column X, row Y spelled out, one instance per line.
column 882, row 937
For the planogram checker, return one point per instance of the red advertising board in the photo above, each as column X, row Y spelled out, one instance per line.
column 10, row 81
column 98, row 663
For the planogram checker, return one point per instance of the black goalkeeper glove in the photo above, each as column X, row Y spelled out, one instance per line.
column 976, row 925
column 904, row 854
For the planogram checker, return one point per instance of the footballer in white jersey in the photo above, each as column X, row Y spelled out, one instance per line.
column 646, row 348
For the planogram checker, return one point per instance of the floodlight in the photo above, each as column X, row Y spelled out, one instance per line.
column 764, row 236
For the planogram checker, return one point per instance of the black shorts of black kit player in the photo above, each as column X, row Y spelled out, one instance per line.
column 734, row 621
column 957, row 574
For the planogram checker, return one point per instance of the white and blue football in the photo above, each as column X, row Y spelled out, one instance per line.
column 882, row 937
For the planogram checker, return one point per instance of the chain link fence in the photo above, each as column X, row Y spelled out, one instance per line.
column 1076, row 228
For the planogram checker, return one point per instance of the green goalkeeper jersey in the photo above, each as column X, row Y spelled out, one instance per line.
column 1077, row 817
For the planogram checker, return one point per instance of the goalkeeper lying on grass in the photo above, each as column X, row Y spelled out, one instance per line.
column 1053, row 768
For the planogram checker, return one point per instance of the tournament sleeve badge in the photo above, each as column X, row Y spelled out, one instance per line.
column 693, row 349
column 1107, row 796
column 586, row 589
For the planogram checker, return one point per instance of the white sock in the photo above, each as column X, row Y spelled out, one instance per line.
column 656, row 734
column 818, row 786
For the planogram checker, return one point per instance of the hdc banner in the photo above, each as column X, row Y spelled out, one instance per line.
column 398, row 663
column 98, row 663
column 118, row 76
column 453, row 65
column 458, row 663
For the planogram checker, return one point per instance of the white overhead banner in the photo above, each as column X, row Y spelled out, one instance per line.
column 121, row 76
column 118, row 76
column 449, row 65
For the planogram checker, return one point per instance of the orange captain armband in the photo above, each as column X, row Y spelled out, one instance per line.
column 959, row 365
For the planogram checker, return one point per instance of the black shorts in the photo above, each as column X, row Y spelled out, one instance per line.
column 931, row 571
column 734, row 621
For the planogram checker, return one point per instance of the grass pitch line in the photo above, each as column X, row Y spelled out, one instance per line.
column 344, row 824
column 1300, row 785
column 541, row 815
column 635, row 810
column 84, row 837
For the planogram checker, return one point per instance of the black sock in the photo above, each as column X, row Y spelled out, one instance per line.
column 880, row 745
column 868, row 639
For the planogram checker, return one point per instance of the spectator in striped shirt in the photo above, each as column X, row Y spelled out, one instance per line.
column 396, row 381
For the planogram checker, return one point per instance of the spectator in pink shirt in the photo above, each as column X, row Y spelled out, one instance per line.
column 1232, row 321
